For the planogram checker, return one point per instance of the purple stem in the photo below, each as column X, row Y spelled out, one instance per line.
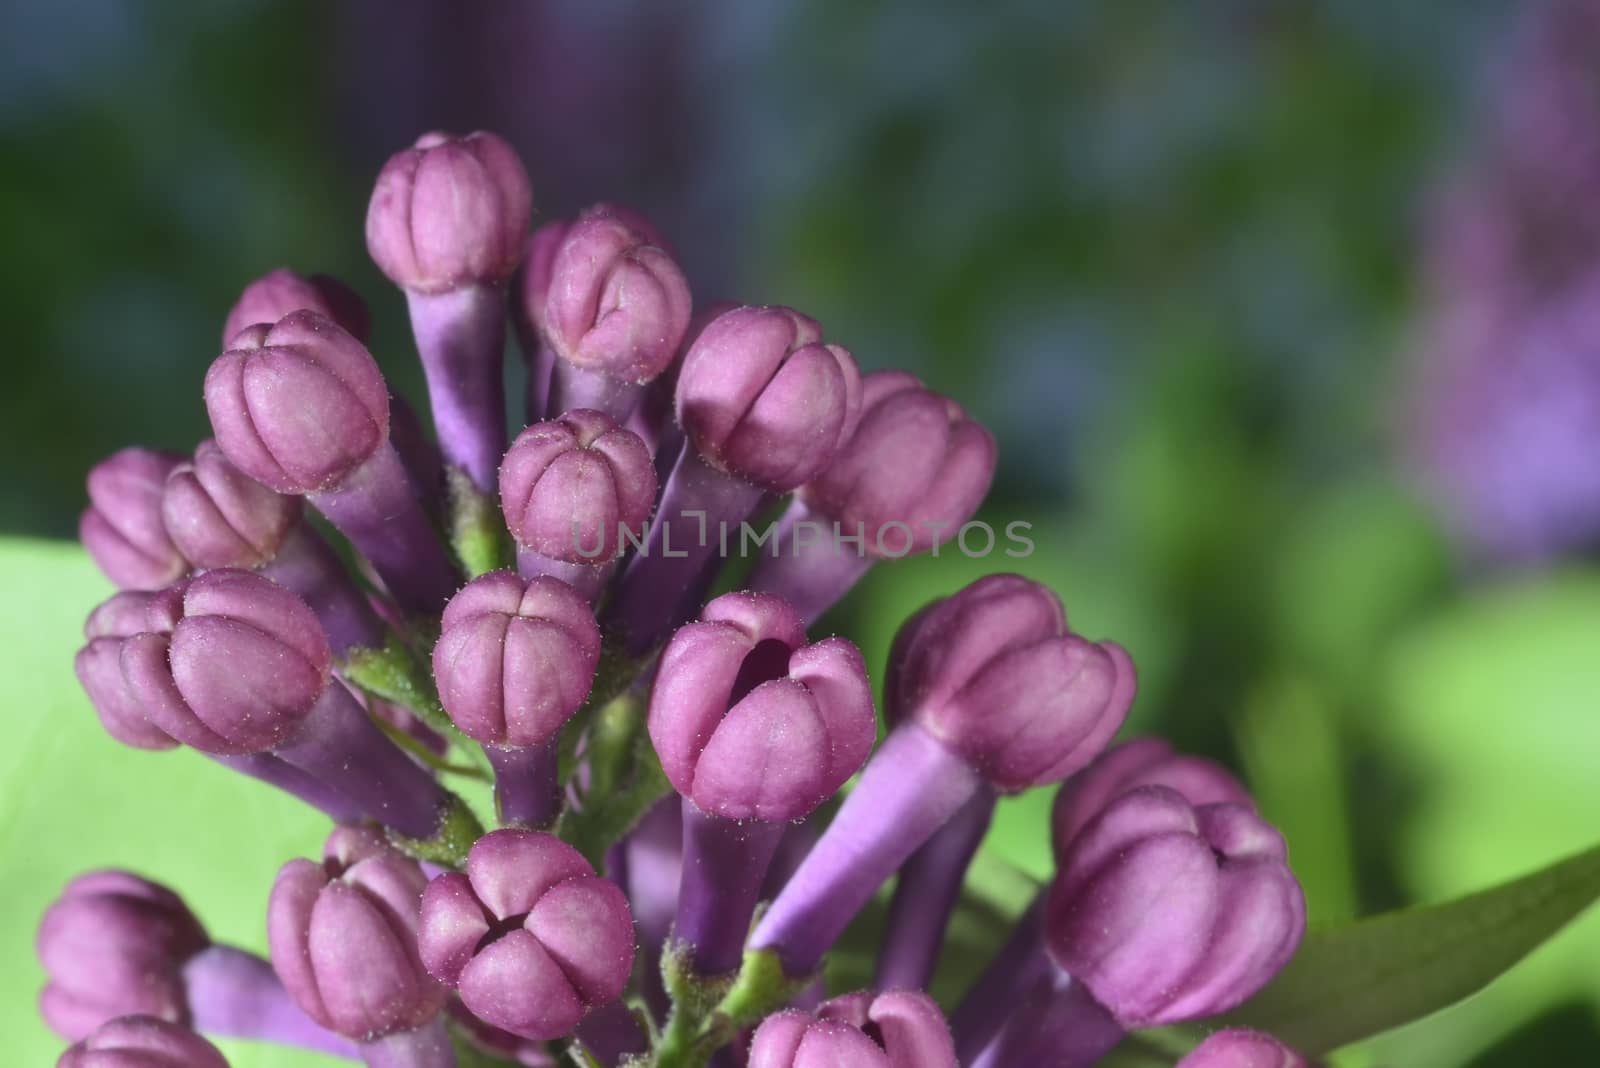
column 662, row 585
column 308, row 566
column 925, row 897
column 527, row 783
column 610, row 1032
column 342, row 747
column 1020, row 965
column 234, row 994
column 910, row 788
column 461, row 338
column 798, row 839
column 1057, row 1024
column 427, row 1047
column 812, row 569
column 419, row 454
column 378, row 509
column 538, row 358
column 264, row 767
column 724, row 863
column 654, row 869
column 572, row 387
column 588, row 579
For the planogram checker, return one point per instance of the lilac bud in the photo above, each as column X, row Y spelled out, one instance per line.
column 615, row 301
column 761, row 397
column 227, row 662
column 99, row 666
column 1238, row 1048
column 450, row 211
column 343, row 938
column 532, row 284
column 515, row 659
column 122, row 526
column 218, row 516
column 995, row 674
column 1167, row 912
column 899, row 1029
column 112, row 945
column 915, row 461
column 531, row 938
column 570, row 486
column 142, row 1042
column 751, row 722
column 272, row 296
column 1141, row 762
column 298, row 405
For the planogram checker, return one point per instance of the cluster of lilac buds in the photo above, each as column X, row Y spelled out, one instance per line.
column 579, row 807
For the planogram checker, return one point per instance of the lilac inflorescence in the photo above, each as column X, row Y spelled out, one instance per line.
column 582, row 809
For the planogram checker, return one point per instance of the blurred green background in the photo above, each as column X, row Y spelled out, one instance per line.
column 1167, row 251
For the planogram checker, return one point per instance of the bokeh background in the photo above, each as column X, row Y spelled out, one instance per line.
column 1278, row 309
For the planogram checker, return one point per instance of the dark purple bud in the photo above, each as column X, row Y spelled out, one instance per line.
column 343, row 933
column 1167, row 912
column 1140, row 762
column 142, row 1042
column 299, row 405
column 227, row 662
column 112, row 945
column 615, row 301
column 122, row 526
column 750, row 722
column 899, row 1029
column 570, row 486
column 761, row 397
column 272, row 296
column 218, row 516
column 994, row 673
column 515, row 658
column 450, row 211
column 530, row 937
column 1238, row 1048
column 915, row 461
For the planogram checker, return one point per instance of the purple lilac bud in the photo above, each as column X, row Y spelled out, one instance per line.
column 112, row 945
column 450, row 211
column 995, row 674
column 530, row 937
column 122, row 526
column 570, row 487
column 142, row 1042
column 343, row 938
column 1238, row 1048
column 275, row 295
column 99, row 668
column 1136, row 763
column 616, row 309
column 218, row 516
column 899, row 1029
column 1169, row 912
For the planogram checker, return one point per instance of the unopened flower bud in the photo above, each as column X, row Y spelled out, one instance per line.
column 1140, row 762
column 142, row 1042
column 220, row 517
column 1238, row 1048
column 282, row 292
column 899, row 1029
column 122, row 526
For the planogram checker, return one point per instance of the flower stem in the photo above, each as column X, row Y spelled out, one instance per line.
column 461, row 337
column 588, row 579
column 428, row 1046
column 572, row 387
column 527, row 787
column 264, row 767
column 234, row 994
column 812, row 569
column 724, row 865
column 1057, row 1023
column 1020, row 964
column 307, row 565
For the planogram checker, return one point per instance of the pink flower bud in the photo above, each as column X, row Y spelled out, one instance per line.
column 899, row 1029
column 99, row 666
column 218, row 516
column 529, row 936
column 538, row 266
column 1238, row 1048
column 122, row 528
column 995, row 674
column 272, row 296
column 450, row 212
column 750, row 722
column 142, row 1042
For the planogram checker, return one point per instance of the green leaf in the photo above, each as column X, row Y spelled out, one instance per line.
column 1352, row 982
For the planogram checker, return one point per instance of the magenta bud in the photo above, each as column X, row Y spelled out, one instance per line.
column 227, row 662
column 99, row 669
column 112, row 945
column 750, row 722
column 450, row 211
column 515, row 658
column 142, row 1042
column 615, row 301
column 122, row 528
column 761, row 397
column 530, row 937
column 298, row 405
column 1167, row 912
column 538, row 266
column 913, row 472
column 1239, row 1048
column 1140, row 762
column 343, row 938
column 218, row 516
column 994, row 673
column 272, row 296
column 898, row 1029
column 570, row 487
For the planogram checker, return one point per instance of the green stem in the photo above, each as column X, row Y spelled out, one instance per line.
column 458, row 829
column 477, row 531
